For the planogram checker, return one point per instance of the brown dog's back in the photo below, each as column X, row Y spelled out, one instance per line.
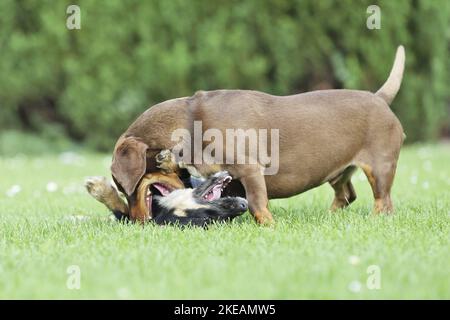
column 320, row 132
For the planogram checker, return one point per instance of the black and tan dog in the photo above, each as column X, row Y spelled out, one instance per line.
column 323, row 137
column 198, row 206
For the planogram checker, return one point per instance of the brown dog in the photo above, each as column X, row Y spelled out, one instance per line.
column 323, row 137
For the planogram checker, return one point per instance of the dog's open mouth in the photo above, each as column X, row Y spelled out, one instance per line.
column 157, row 188
column 214, row 191
column 155, row 184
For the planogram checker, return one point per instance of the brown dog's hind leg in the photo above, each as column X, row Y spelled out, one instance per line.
column 344, row 193
column 256, row 193
column 381, row 177
column 104, row 192
column 379, row 159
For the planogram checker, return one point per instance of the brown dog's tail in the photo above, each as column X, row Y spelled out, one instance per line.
column 390, row 88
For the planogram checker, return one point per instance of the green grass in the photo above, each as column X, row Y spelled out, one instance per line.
column 306, row 255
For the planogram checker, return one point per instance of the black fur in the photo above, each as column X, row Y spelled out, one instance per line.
column 220, row 210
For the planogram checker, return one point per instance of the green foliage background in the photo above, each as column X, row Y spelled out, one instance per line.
column 89, row 84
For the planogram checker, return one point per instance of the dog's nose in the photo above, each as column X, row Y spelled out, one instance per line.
column 243, row 205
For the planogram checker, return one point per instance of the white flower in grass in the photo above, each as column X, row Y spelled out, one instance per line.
column 426, row 185
column 354, row 260
column 355, row 286
column 15, row 189
column 413, row 179
column 52, row 186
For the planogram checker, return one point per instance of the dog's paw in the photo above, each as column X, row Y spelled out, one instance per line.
column 166, row 161
column 164, row 156
column 100, row 188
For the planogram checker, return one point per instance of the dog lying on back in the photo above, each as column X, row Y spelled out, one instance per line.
column 198, row 206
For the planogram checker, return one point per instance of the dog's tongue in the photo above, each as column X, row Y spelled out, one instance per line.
column 215, row 193
column 161, row 188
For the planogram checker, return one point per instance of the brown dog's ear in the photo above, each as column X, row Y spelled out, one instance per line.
column 129, row 163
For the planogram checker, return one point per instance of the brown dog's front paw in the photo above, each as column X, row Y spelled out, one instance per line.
column 164, row 156
column 264, row 218
column 166, row 161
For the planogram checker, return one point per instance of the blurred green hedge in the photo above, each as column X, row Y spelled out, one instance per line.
column 89, row 84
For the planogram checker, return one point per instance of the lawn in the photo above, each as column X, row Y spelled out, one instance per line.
column 50, row 229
